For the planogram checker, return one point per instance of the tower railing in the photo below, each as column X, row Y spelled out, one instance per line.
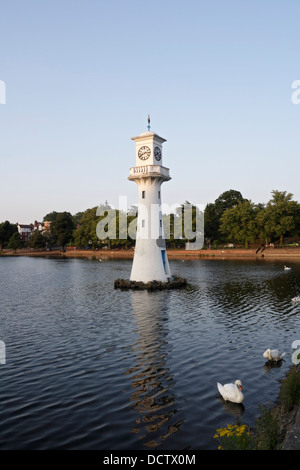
column 149, row 170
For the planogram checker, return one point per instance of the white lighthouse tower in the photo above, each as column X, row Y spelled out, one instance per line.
column 150, row 262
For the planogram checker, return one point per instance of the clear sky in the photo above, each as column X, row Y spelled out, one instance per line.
column 82, row 76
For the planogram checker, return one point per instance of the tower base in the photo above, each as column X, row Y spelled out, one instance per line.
column 174, row 283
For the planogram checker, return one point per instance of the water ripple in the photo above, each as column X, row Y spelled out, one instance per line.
column 90, row 367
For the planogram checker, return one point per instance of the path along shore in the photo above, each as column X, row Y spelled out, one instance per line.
column 231, row 253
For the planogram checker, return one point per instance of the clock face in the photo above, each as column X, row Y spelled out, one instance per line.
column 157, row 153
column 144, row 153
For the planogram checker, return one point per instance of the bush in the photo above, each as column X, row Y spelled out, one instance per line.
column 268, row 429
column 290, row 389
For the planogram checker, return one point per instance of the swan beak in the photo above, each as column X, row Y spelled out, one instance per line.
column 240, row 387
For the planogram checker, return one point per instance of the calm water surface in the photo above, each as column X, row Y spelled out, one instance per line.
column 90, row 367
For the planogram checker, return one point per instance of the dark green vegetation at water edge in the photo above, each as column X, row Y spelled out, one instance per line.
column 176, row 283
column 276, row 421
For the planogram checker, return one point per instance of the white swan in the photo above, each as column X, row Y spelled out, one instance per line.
column 231, row 392
column 296, row 299
column 287, row 268
column 273, row 355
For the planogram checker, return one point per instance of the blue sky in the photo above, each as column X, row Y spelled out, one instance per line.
column 82, row 76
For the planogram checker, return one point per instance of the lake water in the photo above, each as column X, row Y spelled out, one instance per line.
column 91, row 367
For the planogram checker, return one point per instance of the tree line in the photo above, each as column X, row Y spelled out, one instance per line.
column 229, row 219
column 232, row 218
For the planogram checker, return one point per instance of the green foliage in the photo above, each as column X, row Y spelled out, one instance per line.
column 15, row 241
column 246, row 222
column 37, row 240
column 62, row 228
column 85, row 231
column 51, row 216
column 231, row 218
column 279, row 217
column 214, row 212
column 273, row 420
column 263, row 229
column 116, row 225
column 267, row 429
column 6, row 231
column 290, row 389
column 238, row 223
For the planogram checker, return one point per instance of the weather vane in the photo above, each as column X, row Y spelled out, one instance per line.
column 148, row 122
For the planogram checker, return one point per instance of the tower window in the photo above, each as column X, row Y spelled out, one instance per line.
column 158, row 194
column 143, row 194
column 143, row 223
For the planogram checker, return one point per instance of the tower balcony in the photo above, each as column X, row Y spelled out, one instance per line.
column 153, row 171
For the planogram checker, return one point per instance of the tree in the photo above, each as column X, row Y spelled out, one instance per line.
column 37, row 240
column 228, row 199
column 239, row 223
column 62, row 228
column 51, row 216
column 213, row 213
column 85, row 232
column 211, row 222
column 6, row 231
column 280, row 214
column 295, row 232
column 15, row 241
column 263, row 230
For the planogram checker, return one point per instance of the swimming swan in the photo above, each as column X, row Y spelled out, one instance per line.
column 231, row 392
column 273, row 355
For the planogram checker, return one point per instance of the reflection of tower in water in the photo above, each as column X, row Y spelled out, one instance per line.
column 152, row 382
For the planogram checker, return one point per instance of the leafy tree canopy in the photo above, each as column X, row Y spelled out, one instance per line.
column 6, row 231
column 62, row 228
column 51, row 216
column 214, row 211
column 37, row 240
column 15, row 241
column 238, row 223
column 280, row 213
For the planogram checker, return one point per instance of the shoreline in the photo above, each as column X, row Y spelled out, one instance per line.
column 232, row 253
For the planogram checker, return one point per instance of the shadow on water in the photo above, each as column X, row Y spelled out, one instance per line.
column 269, row 365
column 152, row 398
column 235, row 410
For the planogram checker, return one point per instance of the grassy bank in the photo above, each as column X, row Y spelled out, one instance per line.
column 276, row 421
